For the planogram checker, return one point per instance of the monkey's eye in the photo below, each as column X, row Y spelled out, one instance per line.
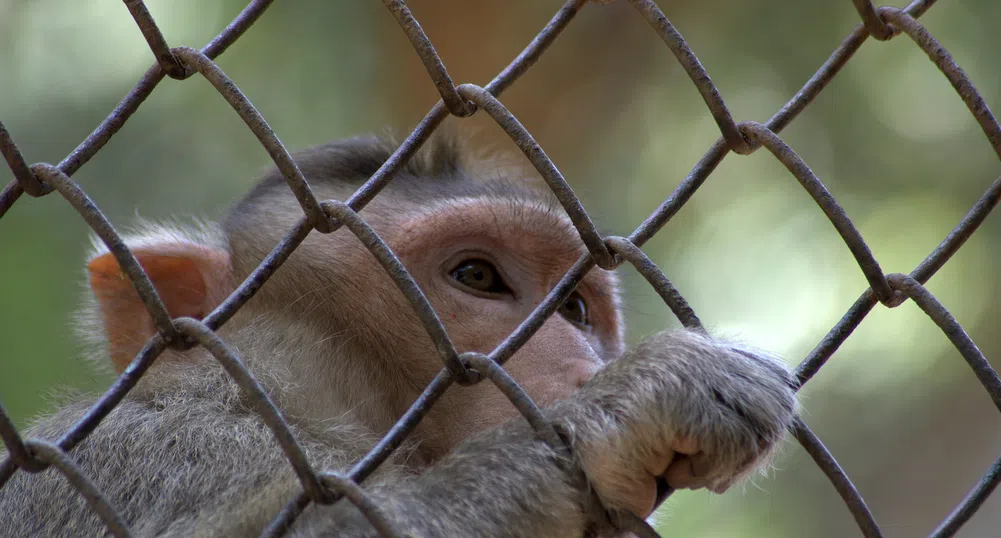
column 480, row 275
column 575, row 309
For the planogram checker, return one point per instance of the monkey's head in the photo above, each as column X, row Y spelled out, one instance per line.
column 484, row 244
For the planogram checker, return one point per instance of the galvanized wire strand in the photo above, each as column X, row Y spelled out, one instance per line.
column 265, row 135
column 127, row 261
column 823, row 458
column 16, row 449
column 432, row 62
column 380, row 520
column 656, row 278
column 922, row 273
column 971, row 503
column 55, row 457
column 404, row 282
column 154, row 38
column 259, row 401
column 759, row 133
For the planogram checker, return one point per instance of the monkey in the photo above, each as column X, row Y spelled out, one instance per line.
column 341, row 353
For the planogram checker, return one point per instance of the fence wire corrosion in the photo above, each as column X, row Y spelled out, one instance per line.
column 743, row 138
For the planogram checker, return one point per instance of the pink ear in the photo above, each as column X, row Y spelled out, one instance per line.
column 191, row 280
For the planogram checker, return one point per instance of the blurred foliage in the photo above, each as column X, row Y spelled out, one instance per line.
column 752, row 253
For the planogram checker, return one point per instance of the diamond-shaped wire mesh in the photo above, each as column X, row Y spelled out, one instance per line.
column 606, row 252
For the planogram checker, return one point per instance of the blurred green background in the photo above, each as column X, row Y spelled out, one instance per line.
column 752, row 253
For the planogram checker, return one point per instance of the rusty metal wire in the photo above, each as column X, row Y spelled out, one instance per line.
column 743, row 138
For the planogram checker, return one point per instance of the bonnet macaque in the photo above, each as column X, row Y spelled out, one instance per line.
column 342, row 354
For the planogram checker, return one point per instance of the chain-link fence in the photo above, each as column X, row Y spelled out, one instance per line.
column 744, row 138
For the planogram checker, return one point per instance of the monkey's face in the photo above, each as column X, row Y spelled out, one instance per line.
column 485, row 264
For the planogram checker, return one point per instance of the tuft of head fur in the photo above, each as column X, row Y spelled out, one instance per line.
column 444, row 167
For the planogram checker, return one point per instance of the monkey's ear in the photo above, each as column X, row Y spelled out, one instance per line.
column 191, row 279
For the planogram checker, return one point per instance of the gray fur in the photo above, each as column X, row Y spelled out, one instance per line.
column 190, row 459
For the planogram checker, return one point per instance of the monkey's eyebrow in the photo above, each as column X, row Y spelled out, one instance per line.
column 545, row 233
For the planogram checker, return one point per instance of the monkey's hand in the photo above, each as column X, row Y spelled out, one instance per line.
column 681, row 409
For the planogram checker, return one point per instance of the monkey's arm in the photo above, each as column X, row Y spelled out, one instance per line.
column 505, row 484
column 697, row 410
column 207, row 466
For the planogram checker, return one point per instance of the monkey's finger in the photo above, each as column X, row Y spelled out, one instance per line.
column 691, row 472
column 701, row 466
